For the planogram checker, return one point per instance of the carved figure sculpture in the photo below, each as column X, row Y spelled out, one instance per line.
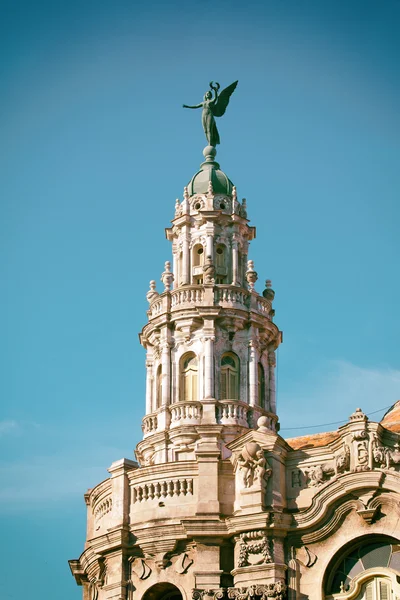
column 253, row 465
column 318, row 474
column 343, row 460
column 385, row 456
column 213, row 107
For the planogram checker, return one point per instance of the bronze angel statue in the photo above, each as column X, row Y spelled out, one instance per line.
column 214, row 107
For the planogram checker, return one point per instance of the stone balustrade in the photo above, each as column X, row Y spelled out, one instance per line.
column 103, row 508
column 185, row 413
column 186, row 295
column 264, row 306
column 233, row 412
column 149, row 424
column 232, row 296
column 156, row 307
column 162, row 489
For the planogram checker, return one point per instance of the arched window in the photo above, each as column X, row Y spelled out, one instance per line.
column 220, row 257
column 261, row 386
column 198, row 256
column 365, row 570
column 188, row 380
column 229, row 377
column 159, row 386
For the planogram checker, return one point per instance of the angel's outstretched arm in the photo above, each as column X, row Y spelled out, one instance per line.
column 196, row 106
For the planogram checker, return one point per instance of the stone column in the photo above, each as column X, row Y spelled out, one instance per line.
column 185, row 260
column 210, row 246
column 166, row 374
column 253, row 373
column 271, row 380
column 209, row 367
column 149, row 387
column 235, row 263
column 175, row 257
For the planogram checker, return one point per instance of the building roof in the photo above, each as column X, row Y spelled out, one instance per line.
column 314, row 440
column 390, row 420
column 210, row 173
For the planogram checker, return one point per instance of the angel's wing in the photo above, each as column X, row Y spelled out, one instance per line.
column 219, row 108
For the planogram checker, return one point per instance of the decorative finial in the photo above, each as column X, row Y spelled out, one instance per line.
column 152, row 293
column 251, row 275
column 268, row 293
column 214, row 107
column 234, row 193
column 177, row 208
column 185, row 193
column 167, row 277
column 244, row 209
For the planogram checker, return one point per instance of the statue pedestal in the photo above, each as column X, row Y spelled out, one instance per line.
column 258, row 574
column 249, row 500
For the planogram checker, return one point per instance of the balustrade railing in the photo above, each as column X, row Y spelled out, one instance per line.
column 162, row 489
column 264, row 306
column 232, row 412
column 104, row 507
column 149, row 424
column 187, row 295
column 185, row 412
column 231, row 295
column 156, row 307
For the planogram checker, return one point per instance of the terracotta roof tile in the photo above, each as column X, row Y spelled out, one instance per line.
column 312, row 441
column 391, row 419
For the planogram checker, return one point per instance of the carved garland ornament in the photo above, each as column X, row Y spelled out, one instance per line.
column 261, row 547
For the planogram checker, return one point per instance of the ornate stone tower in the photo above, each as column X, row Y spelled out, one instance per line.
column 174, row 523
column 218, row 505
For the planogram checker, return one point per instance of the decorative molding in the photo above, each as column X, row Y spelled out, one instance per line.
column 276, row 590
column 254, row 542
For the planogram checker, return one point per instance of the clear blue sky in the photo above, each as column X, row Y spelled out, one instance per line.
column 95, row 147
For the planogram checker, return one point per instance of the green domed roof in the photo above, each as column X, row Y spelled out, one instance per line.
column 210, row 172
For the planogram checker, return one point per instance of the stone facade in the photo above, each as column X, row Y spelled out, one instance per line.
column 218, row 504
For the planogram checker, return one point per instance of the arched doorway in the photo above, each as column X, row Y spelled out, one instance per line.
column 163, row 591
column 366, row 569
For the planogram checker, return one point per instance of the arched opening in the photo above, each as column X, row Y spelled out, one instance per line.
column 229, row 388
column 188, row 378
column 162, row 591
column 198, row 263
column 198, row 255
column 261, row 385
column 158, row 386
column 365, row 569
